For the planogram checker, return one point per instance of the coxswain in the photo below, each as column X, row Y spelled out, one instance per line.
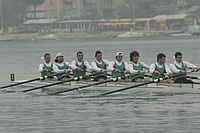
column 136, row 68
column 62, row 67
column 46, row 68
column 80, row 66
column 159, row 69
column 180, row 66
column 119, row 68
column 100, row 65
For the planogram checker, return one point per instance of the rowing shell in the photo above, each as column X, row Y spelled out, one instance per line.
column 151, row 88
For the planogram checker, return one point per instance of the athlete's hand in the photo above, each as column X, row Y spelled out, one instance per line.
column 141, row 72
column 182, row 71
column 156, row 72
column 117, row 70
column 169, row 74
column 79, row 69
column 197, row 69
column 44, row 69
column 67, row 71
column 127, row 72
column 104, row 70
column 90, row 71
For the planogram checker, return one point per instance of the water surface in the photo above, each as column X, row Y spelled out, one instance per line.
column 130, row 112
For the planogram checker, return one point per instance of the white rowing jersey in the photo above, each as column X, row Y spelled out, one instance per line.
column 185, row 63
column 57, row 70
column 73, row 64
column 133, row 71
column 112, row 63
column 96, row 68
column 41, row 66
column 153, row 67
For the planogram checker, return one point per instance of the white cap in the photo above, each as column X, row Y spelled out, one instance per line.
column 119, row 54
column 59, row 54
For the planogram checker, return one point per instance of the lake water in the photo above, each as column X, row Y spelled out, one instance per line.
column 145, row 113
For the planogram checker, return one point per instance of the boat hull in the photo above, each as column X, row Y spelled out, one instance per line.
column 111, row 86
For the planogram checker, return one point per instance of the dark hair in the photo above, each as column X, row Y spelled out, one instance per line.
column 178, row 54
column 97, row 52
column 56, row 60
column 79, row 52
column 134, row 53
column 160, row 56
column 47, row 54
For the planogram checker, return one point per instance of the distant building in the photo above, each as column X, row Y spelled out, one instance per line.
column 50, row 9
column 75, row 9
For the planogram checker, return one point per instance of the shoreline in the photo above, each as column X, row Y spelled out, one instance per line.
column 97, row 36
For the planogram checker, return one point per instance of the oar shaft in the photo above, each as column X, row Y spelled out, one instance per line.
column 127, row 88
column 28, row 81
column 48, row 85
column 19, row 83
column 130, row 87
column 191, row 77
column 80, row 87
column 84, row 77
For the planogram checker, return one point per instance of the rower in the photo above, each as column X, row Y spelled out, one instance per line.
column 80, row 66
column 119, row 68
column 180, row 66
column 100, row 65
column 62, row 67
column 46, row 68
column 136, row 68
column 159, row 68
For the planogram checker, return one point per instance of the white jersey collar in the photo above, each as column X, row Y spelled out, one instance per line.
column 99, row 62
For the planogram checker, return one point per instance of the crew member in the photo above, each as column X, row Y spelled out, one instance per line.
column 62, row 67
column 80, row 66
column 180, row 66
column 119, row 67
column 46, row 68
column 159, row 69
column 100, row 65
column 136, row 68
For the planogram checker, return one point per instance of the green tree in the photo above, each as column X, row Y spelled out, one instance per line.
column 34, row 3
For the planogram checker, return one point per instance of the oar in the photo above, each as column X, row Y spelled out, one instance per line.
column 191, row 77
column 28, row 81
column 81, row 87
column 57, row 83
column 154, row 81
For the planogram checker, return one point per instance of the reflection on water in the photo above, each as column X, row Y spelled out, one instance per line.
column 126, row 112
